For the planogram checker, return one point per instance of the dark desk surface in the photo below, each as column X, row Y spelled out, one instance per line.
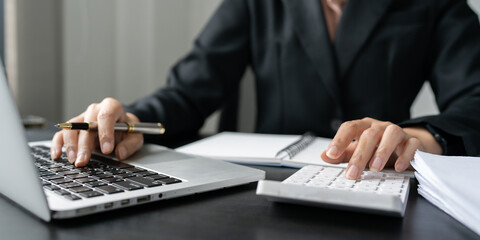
column 234, row 213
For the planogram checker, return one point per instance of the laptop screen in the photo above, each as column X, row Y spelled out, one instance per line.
column 18, row 177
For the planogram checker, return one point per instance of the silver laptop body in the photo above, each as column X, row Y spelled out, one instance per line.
column 20, row 182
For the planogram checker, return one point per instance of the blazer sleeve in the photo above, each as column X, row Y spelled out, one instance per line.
column 455, row 76
column 199, row 83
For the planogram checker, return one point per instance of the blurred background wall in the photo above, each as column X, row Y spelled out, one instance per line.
column 63, row 55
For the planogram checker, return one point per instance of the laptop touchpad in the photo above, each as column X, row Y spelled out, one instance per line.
column 155, row 154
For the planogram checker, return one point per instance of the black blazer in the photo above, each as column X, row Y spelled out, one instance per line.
column 383, row 53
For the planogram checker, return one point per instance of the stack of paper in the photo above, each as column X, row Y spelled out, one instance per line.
column 451, row 184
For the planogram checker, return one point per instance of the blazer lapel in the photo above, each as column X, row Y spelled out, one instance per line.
column 358, row 21
column 309, row 24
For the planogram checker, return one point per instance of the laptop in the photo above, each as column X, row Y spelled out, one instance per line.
column 58, row 190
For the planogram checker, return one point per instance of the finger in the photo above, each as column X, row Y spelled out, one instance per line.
column 111, row 112
column 70, row 140
column 347, row 132
column 403, row 160
column 129, row 145
column 56, row 146
column 392, row 137
column 363, row 153
column 345, row 157
column 86, row 139
column 86, row 144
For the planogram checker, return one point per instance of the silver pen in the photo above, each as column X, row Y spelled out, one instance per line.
column 137, row 127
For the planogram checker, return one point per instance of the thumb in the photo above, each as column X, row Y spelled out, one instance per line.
column 131, row 143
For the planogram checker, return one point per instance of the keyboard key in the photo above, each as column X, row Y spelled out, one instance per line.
column 108, row 189
column 116, row 171
column 136, row 170
column 389, row 188
column 102, row 176
column 366, row 186
column 50, row 165
column 146, row 182
column 70, row 172
column 320, row 181
column 69, row 166
column 51, row 187
column 90, row 194
column 111, row 162
column 369, row 182
column 318, row 184
column 92, row 172
column 58, row 169
column 62, row 192
column 126, row 175
column 77, row 176
column 51, row 177
column 126, row 185
column 46, row 173
column 393, row 183
column 85, row 180
column 62, row 160
column 112, row 180
column 388, row 193
column 170, row 181
column 70, row 185
column 342, row 184
column 61, row 180
column 83, row 169
column 95, row 184
column 146, row 173
column 332, row 171
column 40, row 148
column 71, row 197
column 80, row 189
column 158, row 176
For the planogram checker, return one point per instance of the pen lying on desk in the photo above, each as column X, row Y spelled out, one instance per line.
column 138, row 127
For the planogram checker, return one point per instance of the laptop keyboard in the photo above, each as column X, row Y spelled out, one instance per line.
column 101, row 176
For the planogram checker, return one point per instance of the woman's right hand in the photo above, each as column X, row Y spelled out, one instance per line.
column 80, row 144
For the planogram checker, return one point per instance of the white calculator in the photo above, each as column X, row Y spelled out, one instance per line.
column 374, row 192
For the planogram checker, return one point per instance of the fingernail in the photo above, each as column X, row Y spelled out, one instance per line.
column 107, row 147
column 71, row 156
column 122, row 153
column 82, row 157
column 400, row 166
column 352, row 172
column 54, row 153
column 377, row 164
column 332, row 152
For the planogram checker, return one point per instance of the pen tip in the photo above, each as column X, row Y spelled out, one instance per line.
column 64, row 125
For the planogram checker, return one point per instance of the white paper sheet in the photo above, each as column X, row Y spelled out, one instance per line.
column 256, row 148
column 451, row 183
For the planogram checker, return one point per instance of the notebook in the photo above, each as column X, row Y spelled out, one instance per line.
column 262, row 149
column 58, row 190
